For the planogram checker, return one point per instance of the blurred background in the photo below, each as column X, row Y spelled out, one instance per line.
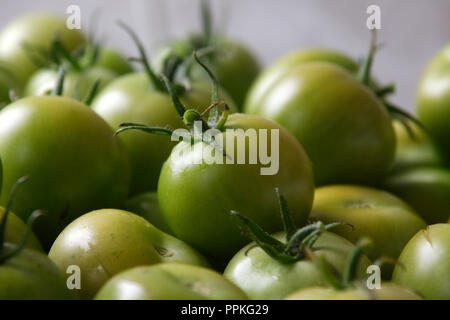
column 412, row 30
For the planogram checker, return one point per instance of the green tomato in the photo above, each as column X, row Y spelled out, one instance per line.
column 105, row 242
column 31, row 275
column 344, row 129
column 272, row 74
column 37, row 31
column 131, row 98
column 108, row 58
column 433, row 99
column 232, row 63
column 426, row 189
column 196, row 199
column 262, row 277
column 415, row 151
column 388, row 291
column 45, row 80
column 425, row 263
column 169, row 281
column 146, row 205
column 73, row 161
column 15, row 230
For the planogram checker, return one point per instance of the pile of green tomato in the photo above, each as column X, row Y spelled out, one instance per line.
column 96, row 204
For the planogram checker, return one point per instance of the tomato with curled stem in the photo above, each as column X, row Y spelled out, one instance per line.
column 107, row 241
column 433, row 99
column 169, row 281
column 25, row 42
column 426, row 261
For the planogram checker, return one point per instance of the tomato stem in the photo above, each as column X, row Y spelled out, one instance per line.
column 350, row 273
column 58, row 90
column 91, row 93
column 206, row 21
column 364, row 71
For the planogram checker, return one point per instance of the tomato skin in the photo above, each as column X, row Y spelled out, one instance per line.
column 203, row 194
column 146, row 205
column 36, row 30
column 373, row 213
column 73, row 161
column 130, row 98
column 107, row 241
column 233, row 64
column 262, row 277
column 45, row 80
column 15, row 230
column 416, row 151
column 344, row 129
column 426, row 189
column 31, row 275
column 388, row 291
column 433, row 99
column 426, row 261
column 170, row 281
column 272, row 74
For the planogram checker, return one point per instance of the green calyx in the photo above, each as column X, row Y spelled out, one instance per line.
column 364, row 77
column 189, row 116
column 297, row 240
column 36, row 214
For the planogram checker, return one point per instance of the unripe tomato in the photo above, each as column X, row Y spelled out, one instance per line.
column 169, row 281
column 433, row 99
column 74, row 162
column 105, row 242
column 35, row 31
column 424, row 263
column 15, row 231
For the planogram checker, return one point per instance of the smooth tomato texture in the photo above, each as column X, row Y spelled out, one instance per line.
column 262, row 277
column 426, row 263
column 105, row 242
column 373, row 213
column 196, row 199
column 388, row 291
column 169, row 281
column 131, row 98
column 433, row 99
column 344, row 129
column 31, row 275
column 35, row 30
column 426, row 189
column 74, row 162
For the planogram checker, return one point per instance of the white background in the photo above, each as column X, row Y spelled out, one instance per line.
column 412, row 30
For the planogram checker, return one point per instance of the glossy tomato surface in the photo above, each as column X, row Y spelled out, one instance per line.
column 426, row 263
column 262, row 277
column 170, row 281
column 344, row 129
column 196, row 199
column 73, row 161
column 107, row 241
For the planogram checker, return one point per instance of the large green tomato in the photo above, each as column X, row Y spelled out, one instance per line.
column 196, row 199
column 415, row 151
column 169, row 281
column 131, row 98
column 272, row 74
column 388, row 291
column 105, row 242
column 73, row 161
column 426, row 189
column 433, row 99
column 44, row 81
column 146, row 205
column 373, row 213
column 262, row 277
column 425, row 263
column 37, row 31
column 344, row 129
column 31, row 275
column 16, row 229
column 232, row 63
